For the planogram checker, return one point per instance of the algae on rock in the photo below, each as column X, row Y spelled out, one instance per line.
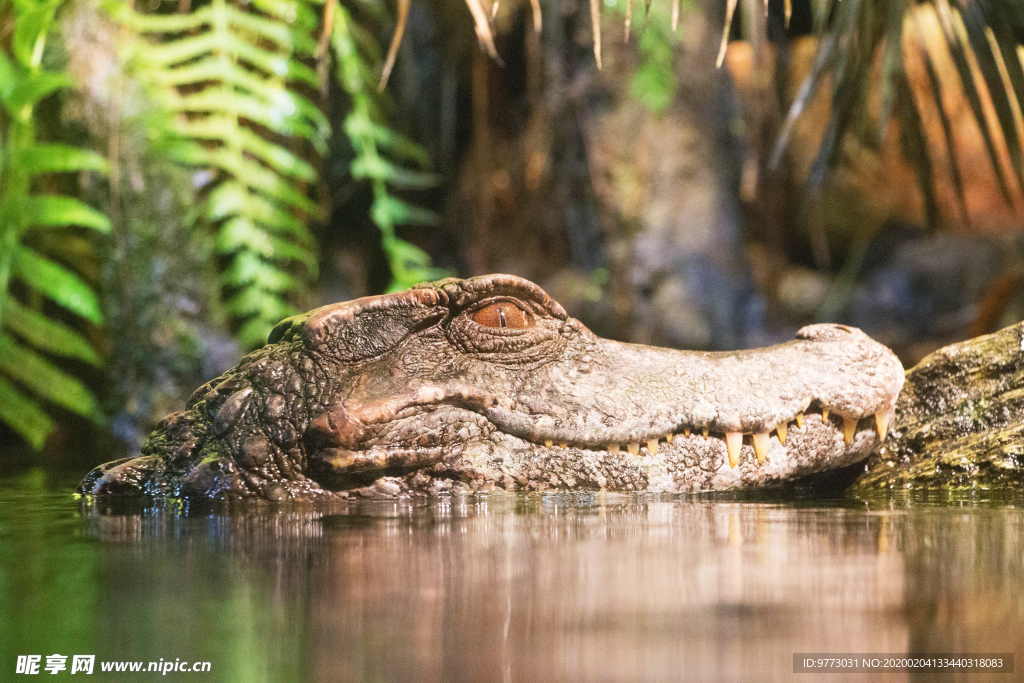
column 959, row 421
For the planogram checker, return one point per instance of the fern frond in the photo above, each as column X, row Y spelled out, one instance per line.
column 382, row 157
column 44, row 379
column 59, row 284
column 28, row 338
column 229, row 75
column 47, row 335
column 23, row 414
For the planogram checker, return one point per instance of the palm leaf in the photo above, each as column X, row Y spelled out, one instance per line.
column 983, row 41
column 970, row 90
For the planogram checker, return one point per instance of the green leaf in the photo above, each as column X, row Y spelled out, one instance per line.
column 279, row 116
column 42, row 158
column 23, row 415
column 46, row 334
column 357, row 124
column 178, row 51
column 257, row 176
column 32, row 89
column 163, row 23
column 371, row 141
column 376, row 168
column 280, row 101
column 44, row 379
column 30, row 30
column 255, row 331
column 654, row 85
column 283, row 249
column 54, row 211
column 57, row 283
column 10, row 77
column 275, row 64
column 390, row 210
column 296, row 13
column 249, row 269
column 233, row 198
column 239, row 233
column 406, row 254
column 237, row 76
column 223, row 129
column 255, row 301
column 277, row 32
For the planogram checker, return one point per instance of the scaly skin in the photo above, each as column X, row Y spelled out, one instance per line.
column 425, row 391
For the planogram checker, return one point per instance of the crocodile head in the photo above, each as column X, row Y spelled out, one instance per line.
column 486, row 382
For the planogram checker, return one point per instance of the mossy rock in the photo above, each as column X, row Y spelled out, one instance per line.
column 959, row 422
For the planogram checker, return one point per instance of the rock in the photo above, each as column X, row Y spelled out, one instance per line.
column 960, row 420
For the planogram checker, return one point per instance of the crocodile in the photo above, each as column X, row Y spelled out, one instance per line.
column 483, row 383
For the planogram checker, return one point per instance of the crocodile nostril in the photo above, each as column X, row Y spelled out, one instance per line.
column 829, row 332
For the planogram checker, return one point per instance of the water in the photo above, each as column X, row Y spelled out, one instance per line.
column 509, row 588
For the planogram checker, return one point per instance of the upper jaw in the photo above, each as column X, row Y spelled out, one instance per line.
column 635, row 394
column 636, row 399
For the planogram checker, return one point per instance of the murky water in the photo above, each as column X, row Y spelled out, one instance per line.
column 509, row 588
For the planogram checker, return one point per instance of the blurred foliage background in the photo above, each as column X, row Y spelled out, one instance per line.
column 177, row 176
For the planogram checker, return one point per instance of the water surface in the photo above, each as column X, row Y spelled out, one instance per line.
column 508, row 588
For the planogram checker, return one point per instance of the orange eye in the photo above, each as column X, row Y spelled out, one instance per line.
column 503, row 314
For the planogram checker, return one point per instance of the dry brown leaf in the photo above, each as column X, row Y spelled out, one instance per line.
column 730, row 10
column 396, row 40
column 535, row 4
column 482, row 25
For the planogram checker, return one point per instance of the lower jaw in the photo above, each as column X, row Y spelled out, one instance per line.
column 737, row 443
column 688, row 463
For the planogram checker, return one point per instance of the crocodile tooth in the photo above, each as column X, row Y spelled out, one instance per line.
column 705, row 430
column 760, row 440
column 613, row 449
column 800, row 419
column 669, row 437
column 686, row 431
column 733, row 443
column 549, row 443
column 882, row 423
column 824, row 414
column 633, row 448
column 652, row 446
column 563, row 444
column 849, row 428
column 781, row 432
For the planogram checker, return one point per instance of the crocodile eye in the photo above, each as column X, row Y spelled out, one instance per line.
column 503, row 314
